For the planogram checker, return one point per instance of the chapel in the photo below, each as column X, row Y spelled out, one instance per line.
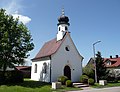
column 58, row 56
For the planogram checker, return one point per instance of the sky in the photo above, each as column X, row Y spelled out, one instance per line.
column 90, row 21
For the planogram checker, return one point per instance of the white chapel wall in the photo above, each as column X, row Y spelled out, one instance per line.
column 40, row 76
column 62, row 58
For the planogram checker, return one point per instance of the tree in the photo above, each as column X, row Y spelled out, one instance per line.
column 15, row 41
column 101, row 69
column 89, row 70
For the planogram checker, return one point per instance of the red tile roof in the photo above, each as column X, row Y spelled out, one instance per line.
column 49, row 48
column 22, row 67
column 115, row 60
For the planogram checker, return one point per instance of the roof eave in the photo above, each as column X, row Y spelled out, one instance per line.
column 39, row 58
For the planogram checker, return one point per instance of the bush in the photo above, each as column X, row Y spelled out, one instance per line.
column 112, row 79
column 11, row 77
column 62, row 79
column 15, row 77
column 68, row 83
column 91, row 81
column 2, row 80
column 116, row 80
column 84, row 79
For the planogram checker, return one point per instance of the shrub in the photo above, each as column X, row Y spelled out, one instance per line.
column 62, row 79
column 84, row 79
column 16, row 76
column 91, row 81
column 11, row 77
column 2, row 80
column 68, row 83
column 116, row 80
column 112, row 79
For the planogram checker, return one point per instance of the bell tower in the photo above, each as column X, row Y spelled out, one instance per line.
column 63, row 24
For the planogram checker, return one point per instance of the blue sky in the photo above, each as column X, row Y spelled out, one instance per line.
column 90, row 21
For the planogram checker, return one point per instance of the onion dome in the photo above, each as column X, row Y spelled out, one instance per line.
column 63, row 19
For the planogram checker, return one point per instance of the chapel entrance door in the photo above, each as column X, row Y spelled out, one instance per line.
column 67, row 72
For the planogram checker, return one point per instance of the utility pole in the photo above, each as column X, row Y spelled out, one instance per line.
column 95, row 60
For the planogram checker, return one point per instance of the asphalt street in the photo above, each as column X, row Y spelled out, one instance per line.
column 110, row 89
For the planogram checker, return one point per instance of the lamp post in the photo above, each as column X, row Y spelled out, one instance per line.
column 94, row 60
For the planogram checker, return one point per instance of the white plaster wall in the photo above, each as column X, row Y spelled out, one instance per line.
column 60, row 35
column 62, row 31
column 62, row 58
column 40, row 76
column 62, row 27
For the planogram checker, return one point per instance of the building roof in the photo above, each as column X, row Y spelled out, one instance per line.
column 23, row 67
column 49, row 48
column 115, row 62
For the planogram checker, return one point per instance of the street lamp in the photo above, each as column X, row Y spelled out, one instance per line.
column 94, row 59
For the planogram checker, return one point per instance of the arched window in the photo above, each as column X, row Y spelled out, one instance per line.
column 35, row 68
column 66, row 28
column 59, row 28
column 44, row 67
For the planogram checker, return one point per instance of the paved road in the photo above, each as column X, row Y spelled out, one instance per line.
column 110, row 89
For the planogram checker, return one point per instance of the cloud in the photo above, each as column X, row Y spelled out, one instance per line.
column 23, row 19
column 28, row 62
column 13, row 7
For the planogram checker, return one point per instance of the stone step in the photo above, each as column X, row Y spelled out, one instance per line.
column 81, row 86
column 77, row 83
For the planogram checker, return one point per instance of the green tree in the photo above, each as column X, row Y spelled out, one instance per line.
column 101, row 69
column 89, row 70
column 15, row 41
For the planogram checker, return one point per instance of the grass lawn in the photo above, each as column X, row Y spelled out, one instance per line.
column 32, row 86
column 108, row 85
column 63, row 89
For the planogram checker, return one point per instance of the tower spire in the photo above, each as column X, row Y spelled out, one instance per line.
column 63, row 23
column 63, row 19
column 63, row 12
